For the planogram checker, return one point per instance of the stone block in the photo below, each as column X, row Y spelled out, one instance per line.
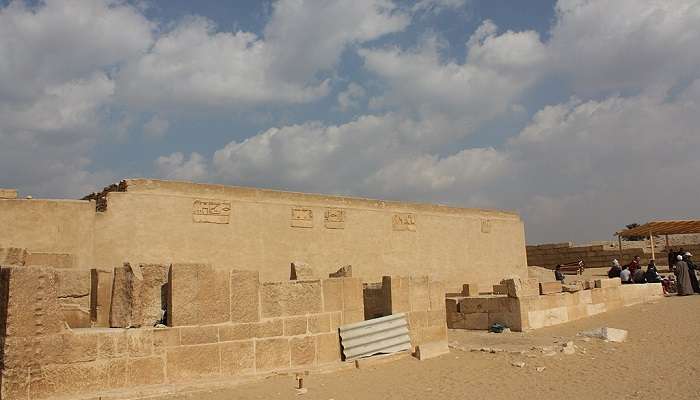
column 342, row 272
column 139, row 342
column 333, row 294
column 352, row 294
column 74, row 286
column 166, row 337
column 13, row 256
column 112, row 344
column 269, row 328
column 550, row 287
column 54, row 260
column 436, row 317
column 300, row 271
column 352, row 316
column 327, row 348
column 76, row 316
column 8, row 194
column 419, row 293
column 146, row 371
column 138, row 295
column 437, row 295
column 245, row 298
column 282, row 299
column 199, row 334
column 451, row 305
column 295, row 326
column 572, row 287
column 429, row 350
column 606, row 283
column 237, row 332
column 15, row 383
column 517, row 288
column 122, row 292
column 470, row 305
column 68, row 379
column 271, row 354
column 336, row 320
column 237, row 358
column 31, row 296
column 500, row 289
column 470, row 289
column 117, row 372
column 100, row 297
column 397, row 293
column 432, row 334
column 188, row 363
column 319, row 323
column 473, row 321
column 199, row 294
column 303, row 351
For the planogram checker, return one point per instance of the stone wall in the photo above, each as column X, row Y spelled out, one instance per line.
column 595, row 256
column 529, row 310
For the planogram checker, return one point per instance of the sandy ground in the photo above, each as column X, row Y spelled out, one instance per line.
column 660, row 360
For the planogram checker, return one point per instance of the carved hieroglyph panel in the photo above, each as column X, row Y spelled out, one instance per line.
column 485, row 226
column 334, row 218
column 404, row 222
column 211, row 211
column 302, row 217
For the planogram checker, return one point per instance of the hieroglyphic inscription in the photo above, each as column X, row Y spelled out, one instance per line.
column 485, row 226
column 211, row 211
column 302, row 217
column 404, row 222
column 334, row 218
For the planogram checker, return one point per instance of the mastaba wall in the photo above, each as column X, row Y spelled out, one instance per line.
column 264, row 230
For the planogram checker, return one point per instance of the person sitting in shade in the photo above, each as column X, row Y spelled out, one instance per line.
column 683, row 285
column 652, row 275
column 687, row 257
column 638, row 276
column 614, row 271
column 634, row 265
column 558, row 275
column 626, row 275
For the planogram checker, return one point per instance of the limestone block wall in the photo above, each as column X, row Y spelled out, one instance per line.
column 264, row 230
column 62, row 228
column 535, row 311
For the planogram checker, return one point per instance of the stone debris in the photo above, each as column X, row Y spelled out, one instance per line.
column 568, row 348
column 540, row 369
column 491, row 350
column 519, row 364
column 607, row 334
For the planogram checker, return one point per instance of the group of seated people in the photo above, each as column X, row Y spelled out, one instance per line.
column 682, row 280
column 633, row 272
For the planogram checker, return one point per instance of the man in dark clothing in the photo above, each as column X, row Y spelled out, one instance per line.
column 652, row 275
column 687, row 257
column 558, row 275
column 634, row 265
column 614, row 271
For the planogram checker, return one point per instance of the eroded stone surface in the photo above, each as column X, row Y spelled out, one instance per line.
column 199, row 294
column 281, row 299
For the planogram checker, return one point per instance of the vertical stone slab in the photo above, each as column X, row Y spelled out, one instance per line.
column 32, row 302
column 150, row 297
column 245, row 296
column 419, row 293
column 396, row 290
column 437, row 295
column 300, row 271
column 199, row 295
column 100, row 296
column 332, row 294
column 122, row 293
column 328, row 348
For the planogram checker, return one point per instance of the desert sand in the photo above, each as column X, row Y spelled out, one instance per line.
column 659, row 360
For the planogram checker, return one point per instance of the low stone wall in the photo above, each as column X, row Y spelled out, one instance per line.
column 526, row 312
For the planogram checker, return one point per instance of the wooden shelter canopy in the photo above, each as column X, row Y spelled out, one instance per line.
column 663, row 228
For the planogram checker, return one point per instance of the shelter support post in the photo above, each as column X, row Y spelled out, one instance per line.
column 651, row 239
column 619, row 244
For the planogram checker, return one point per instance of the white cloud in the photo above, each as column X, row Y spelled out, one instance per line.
column 438, row 6
column 156, row 127
column 176, row 166
column 350, row 98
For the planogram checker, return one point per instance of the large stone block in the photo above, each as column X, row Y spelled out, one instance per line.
column 146, row 371
column 199, row 334
column 138, row 295
column 139, row 342
column 112, row 344
column 319, row 323
column 199, row 294
column 15, row 383
column 187, row 363
column 550, row 288
column 295, row 326
column 327, row 348
column 245, row 299
column 419, row 293
column 272, row 354
column 473, row 321
column 76, row 316
column 8, row 194
column 55, row 260
column 437, row 295
column 397, row 292
column 237, row 358
column 100, row 296
column 352, row 294
column 13, row 256
column 301, row 271
column 303, row 351
column 68, row 379
column 429, row 350
column 606, row 283
column 470, row 305
column 74, row 286
column 333, row 294
column 517, row 288
column 282, row 299
column 31, row 296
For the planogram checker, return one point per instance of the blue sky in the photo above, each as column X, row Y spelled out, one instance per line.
column 581, row 115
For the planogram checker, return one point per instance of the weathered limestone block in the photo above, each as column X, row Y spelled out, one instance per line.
column 76, row 316
column 550, row 287
column 272, row 354
column 327, row 348
column 319, row 323
column 100, row 296
column 342, row 272
column 282, row 299
column 15, row 383
column 237, row 358
column 301, row 271
column 32, row 302
column 8, row 193
column 199, row 334
column 74, row 286
column 470, row 305
column 55, row 260
column 333, row 295
column 500, row 289
column 429, row 350
column 199, row 294
column 419, row 293
column 572, row 287
column 245, row 299
column 437, row 295
column 112, row 344
column 138, row 295
column 68, row 379
column 397, row 292
column 472, row 321
column 606, row 283
column 303, row 351
column 166, row 337
column 263, row 329
column 188, row 363
column 139, row 342
column 517, row 288
column 13, row 256
column 295, row 326
column 352, row 295
column 146, row 370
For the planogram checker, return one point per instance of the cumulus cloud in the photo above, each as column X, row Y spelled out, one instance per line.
column 177, row 166
column 350, row 98
column 156, row 127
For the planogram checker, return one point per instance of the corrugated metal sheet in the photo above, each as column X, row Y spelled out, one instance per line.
column 376, row 336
